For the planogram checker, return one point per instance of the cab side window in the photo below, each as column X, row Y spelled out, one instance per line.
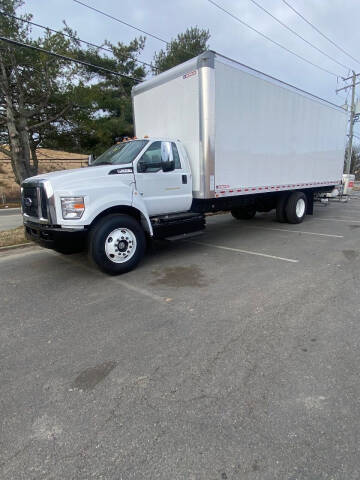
column 176, row 156
column 151, row 159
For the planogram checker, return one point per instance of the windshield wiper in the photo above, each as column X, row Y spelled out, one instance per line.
column 101, row 163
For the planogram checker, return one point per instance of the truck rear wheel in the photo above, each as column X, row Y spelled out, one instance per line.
column 117, row 244
column 280, row 208
column 245, row 213
column 296, row 207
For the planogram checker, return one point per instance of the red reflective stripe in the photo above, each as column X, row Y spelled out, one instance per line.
column 278, row 187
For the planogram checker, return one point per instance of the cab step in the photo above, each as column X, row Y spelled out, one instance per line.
column 177, row 224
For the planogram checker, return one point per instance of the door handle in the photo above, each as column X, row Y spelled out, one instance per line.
column 184, row 179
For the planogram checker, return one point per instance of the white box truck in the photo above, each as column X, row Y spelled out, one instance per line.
column 212, row 135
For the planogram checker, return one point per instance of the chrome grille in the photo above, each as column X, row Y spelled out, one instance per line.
column 34, row 201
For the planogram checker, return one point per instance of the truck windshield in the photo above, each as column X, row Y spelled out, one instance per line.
column 121, row 153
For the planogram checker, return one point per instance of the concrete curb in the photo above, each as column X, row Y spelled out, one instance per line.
column 10, row 209
column 14, row 247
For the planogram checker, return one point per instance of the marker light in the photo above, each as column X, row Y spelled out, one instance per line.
column 72, row 207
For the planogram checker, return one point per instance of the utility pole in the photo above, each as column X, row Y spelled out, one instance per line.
column 351, row 130
column 352, row 118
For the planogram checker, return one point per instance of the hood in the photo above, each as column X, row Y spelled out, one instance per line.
column 76, row 178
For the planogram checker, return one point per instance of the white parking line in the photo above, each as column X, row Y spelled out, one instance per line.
column 248, row 252
column 336, row 220
column 345, row 217
column 299, row 231
column 75, row 263
column 123, row 283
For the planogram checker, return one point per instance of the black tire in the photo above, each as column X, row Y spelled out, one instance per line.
column 280, row 208
column 296, row 207
column 101, row 232
column 243, row 213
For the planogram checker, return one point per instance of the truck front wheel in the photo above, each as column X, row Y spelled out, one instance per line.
column 296, row 207
column 117, row 244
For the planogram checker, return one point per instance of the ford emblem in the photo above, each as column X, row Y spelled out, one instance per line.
column 27, row 202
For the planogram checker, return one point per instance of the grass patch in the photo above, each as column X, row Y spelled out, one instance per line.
column 15, row 236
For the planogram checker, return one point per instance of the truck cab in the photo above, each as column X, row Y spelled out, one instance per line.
column 136, row 189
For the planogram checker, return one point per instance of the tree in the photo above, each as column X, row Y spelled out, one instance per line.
column 103, row 109
column 43, row 98
column 355, row 160
column 187, row 45
column 29, row 84
column 51, row 102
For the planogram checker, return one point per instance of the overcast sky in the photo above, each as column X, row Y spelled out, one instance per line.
column 338, row 19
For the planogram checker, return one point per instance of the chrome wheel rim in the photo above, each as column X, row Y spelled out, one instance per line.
column 120, row 245
column 300, row 208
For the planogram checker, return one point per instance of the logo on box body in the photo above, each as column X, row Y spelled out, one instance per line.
column 190, row 74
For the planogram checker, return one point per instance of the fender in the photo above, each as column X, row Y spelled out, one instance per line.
column 105, row 196
column 115, row 207
column 99, row 198
column 124, row 196
column 139, row 204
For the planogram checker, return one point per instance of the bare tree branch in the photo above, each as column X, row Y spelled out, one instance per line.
column 51, row 119
column 42, row 104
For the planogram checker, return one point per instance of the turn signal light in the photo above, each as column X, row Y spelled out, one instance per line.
column 72, row 207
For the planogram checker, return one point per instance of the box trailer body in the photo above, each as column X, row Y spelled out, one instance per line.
column 212, row 135
column 245, row 132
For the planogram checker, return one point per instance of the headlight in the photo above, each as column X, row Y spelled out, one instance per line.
column 72, row 207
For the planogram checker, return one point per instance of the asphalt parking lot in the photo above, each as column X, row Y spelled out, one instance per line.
column 231, row 356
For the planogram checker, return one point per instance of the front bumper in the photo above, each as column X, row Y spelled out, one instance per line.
column 55, row 237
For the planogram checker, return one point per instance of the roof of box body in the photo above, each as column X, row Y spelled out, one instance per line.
column 207, row 59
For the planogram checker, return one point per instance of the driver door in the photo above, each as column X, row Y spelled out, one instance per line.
column 163, row 192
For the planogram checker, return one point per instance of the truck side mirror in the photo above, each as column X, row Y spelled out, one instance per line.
column 91, row 158
column 167, row 159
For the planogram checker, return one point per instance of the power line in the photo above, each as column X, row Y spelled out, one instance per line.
column 131, row 26
column 298, row 35
column 64, row 57
column 72, row 37
column 270, row 39
column 320, row 32
column 121, row 21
